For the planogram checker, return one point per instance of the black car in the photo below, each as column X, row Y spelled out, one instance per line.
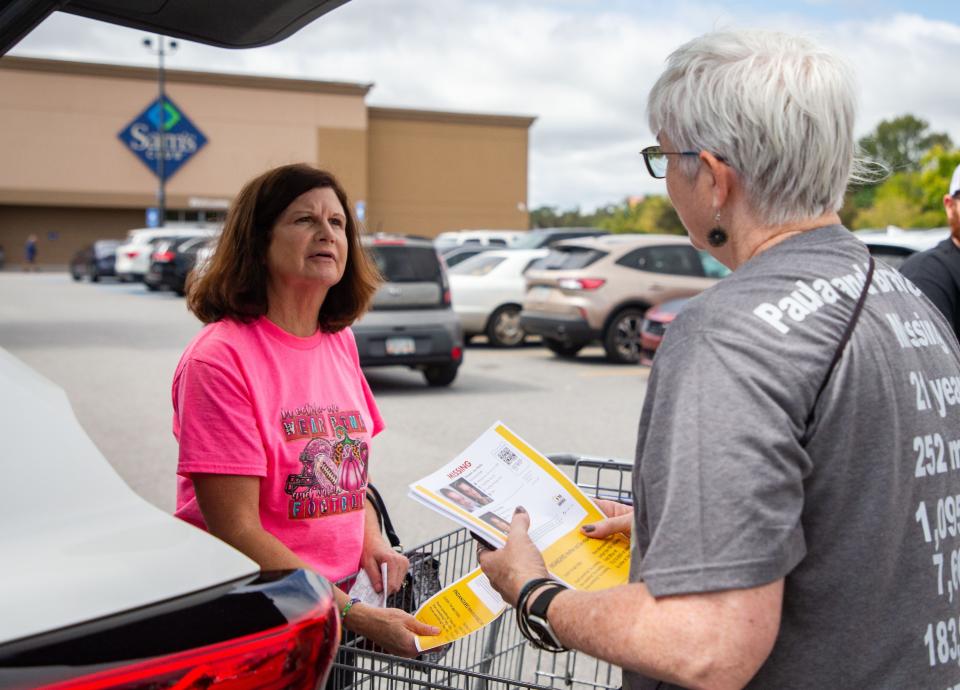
column 547, row 237
column 171, row 263
column 95, row 261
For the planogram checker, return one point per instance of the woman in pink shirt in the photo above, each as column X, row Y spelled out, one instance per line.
column 271, row 410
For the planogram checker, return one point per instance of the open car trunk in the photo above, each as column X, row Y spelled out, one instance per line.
column 222, row 23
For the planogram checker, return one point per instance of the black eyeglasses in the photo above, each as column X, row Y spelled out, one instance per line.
column 656, row 159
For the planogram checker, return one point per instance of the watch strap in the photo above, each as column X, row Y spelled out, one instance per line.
column 539, row 606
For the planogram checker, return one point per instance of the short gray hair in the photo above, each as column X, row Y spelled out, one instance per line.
column 777, row 108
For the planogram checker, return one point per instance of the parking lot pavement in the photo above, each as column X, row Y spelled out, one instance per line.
column 113, row 347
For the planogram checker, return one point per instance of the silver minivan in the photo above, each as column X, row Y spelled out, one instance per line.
column 411, row 321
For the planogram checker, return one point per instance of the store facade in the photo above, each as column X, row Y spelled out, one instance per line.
column 79, row 140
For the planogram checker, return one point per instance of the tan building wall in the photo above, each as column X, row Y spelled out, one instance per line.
column 431, row 172
column 60, row 231
column 64, row 169
column 61, row 120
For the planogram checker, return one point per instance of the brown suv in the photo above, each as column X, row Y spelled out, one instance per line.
column 599, row 288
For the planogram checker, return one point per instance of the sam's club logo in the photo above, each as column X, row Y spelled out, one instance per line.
column 181, row 139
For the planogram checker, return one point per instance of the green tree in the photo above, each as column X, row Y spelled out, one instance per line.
column 902, row 142
column 913, row 199
column 653, row 214
column 554, row 217
column 901, row 145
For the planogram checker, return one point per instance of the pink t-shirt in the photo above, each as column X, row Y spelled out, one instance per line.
column 251, row 399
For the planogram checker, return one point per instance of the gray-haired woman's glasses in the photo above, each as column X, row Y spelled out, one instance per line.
column 656, row 159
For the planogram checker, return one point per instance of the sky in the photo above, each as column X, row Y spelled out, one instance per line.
column 582, row 67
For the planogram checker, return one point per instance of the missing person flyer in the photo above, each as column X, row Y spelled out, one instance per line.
column 479, row 490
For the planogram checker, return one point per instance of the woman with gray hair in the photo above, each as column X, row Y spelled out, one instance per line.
column 797, row 484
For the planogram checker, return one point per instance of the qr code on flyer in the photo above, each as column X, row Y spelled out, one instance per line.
column 508, row 457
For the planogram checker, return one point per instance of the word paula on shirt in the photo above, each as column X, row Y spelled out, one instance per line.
column 808, row 298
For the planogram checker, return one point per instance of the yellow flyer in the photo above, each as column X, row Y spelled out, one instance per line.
column 465, row 607
column 479, row 490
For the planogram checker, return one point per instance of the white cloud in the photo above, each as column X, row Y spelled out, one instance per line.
column 583, row 68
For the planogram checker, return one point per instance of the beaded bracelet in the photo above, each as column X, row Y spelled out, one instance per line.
column 347, row 607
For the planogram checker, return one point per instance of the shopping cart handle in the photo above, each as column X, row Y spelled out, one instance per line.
column 576, row 459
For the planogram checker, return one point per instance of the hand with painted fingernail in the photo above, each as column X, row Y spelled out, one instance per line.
column 619, row 520
column 518, row 562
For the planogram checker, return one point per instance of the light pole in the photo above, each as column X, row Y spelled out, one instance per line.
column 163, row 47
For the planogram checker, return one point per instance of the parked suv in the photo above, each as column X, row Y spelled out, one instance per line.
column 411, row 321
column 599, row 288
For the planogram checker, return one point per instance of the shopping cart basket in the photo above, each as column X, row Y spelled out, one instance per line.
column 498, row 657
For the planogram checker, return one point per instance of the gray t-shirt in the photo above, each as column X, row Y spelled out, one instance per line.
column 859, row 511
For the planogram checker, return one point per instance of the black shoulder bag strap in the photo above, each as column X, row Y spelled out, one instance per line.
column 845, row 338
column 383, row 517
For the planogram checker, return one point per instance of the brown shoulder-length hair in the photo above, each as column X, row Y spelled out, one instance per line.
column 234, row 283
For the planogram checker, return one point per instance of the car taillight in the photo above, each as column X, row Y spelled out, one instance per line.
column 581, row 283
column 132, row 255
column 444, row 282
column 296, row 655
column 163, row 257
column 456, row 354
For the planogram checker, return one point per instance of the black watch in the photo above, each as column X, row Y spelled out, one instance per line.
column 537, row 621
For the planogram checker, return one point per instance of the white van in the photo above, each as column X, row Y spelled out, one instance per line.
column 133, row 256
column 500, row 239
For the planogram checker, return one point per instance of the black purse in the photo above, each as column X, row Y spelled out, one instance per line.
column 422, row 580
column 420, row 583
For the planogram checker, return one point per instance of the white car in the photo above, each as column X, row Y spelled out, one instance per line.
column 488, row 290
column 100, row 589
column 895, row 245
column 133, row 256
column 452, row 239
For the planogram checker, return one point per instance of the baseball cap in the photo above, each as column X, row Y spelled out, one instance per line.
column 955, row 182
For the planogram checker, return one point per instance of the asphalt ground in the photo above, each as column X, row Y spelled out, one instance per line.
column 113, row 347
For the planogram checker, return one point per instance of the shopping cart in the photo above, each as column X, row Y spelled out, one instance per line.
column 498, row 657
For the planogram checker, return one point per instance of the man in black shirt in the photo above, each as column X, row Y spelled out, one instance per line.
column 937, row 271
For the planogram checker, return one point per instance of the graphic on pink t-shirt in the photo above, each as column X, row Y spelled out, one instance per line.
column 333, row 474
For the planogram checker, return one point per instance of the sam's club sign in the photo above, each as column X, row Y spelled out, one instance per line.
column 181, row 139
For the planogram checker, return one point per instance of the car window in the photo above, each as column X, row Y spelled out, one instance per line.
column 530, row 264
column 192, row 244
column 105, row 247
column 670, row 259
column 479, row 265
column 458, row 257
column 530, row 240
column 497, row 240
column 568, row 258
column 571, row 235
column 711, row 267
column 163, row 238
column 404, row 264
